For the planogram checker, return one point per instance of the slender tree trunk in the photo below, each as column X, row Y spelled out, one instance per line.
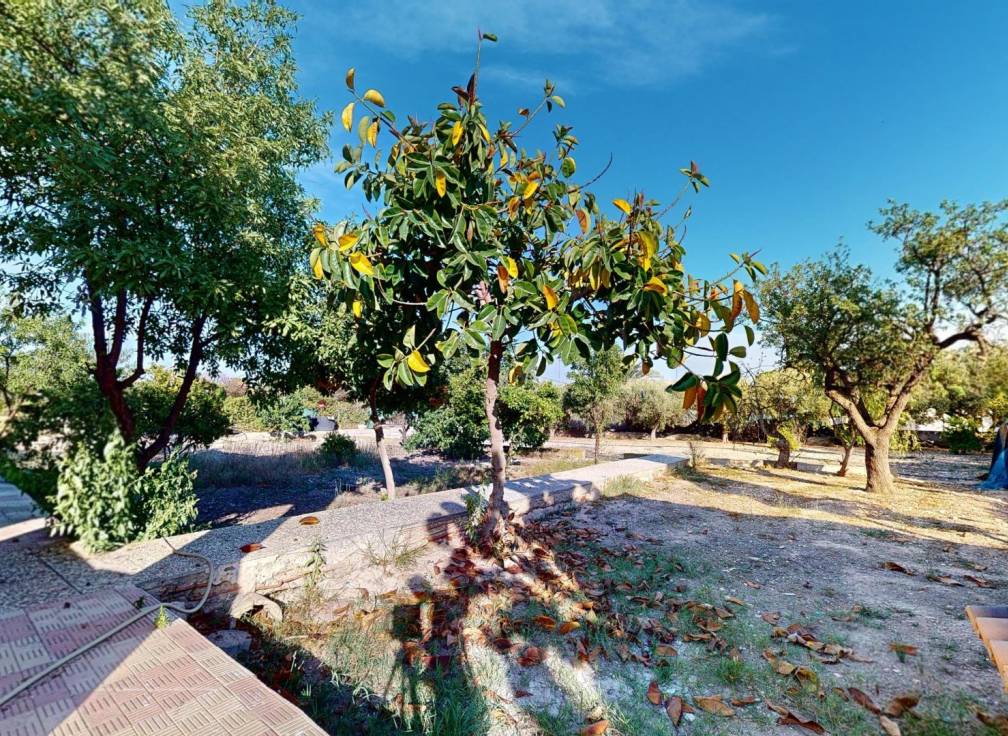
column 598, row 442
column 654, row 432
column 379, row 436
column 494, row 523
column 724, row 435
column 880, row 477
column 845, row 461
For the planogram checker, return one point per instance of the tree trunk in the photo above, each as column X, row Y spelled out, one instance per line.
column 494, row 523
column 654, row 432
column 880, row 477
column 598, row 443
column 783, row 454
column 847, row 450
column 724, row 435
column 379, row 437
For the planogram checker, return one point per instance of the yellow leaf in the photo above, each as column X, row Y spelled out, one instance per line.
column 441, row 183
column 530, row 188
column 512, row 267
column 751, row 306
column 649, row 246
column 374, row 97
column 417, row 363
column 347, row 116
column 503, row 277
column 736, row 303
column 317, row 268
column 484, row 132
column 513, row 207
column 515, row 373
column 320, row 234
column 456, row 132
column 551, row 297
column 703, row 323
column 656, row 285
column 350, row 78
column 689, row 397
column 583, row 220
column 361, row 264
column 348, row 241
column 372, row 133
column 358, row 308
column 623, row 205
column 504, row 157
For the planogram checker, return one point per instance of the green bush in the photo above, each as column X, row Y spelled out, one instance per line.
column 458, row 428
column 242, row 414
column 347, row 413
column 962, row 436
column 338, row 448
column 284, row 415
column 203, row 418
column 528, row 413
column 106, row 502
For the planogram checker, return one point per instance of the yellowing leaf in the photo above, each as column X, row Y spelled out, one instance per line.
column 374, row 97
column 456, row 132
column 512, row 267
column 358, row 308
column 623, row 205
column 551, row 297
column 348, row 241
column 347, row 116
column 751, row 307
column 503, row 277
column 689, row 397
column 513, row 207
column 360, row 263
column 530, row 188
column 504, row 157
column 583, row 220
column 320, row 234
column 372, row 133
column 515, row 372
column 485, row 133
column 656, row 285
column 649, row 247
column 317, row 268
column 736, row 308
column 645, row 367
column 594, row 729
column 441, row 183
column 417, row 363
column 350, row 78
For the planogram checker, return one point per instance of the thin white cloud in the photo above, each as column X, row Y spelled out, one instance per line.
column 633, row 42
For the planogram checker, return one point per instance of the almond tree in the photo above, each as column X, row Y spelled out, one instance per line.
column 519, row 259
column 870, row 343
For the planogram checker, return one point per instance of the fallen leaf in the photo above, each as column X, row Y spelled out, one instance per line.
column 664, row 650
column 771, row 617
column 901, row 704
column 545, row 622
column 752, row 584
column 979, row 582
column 595, row 729
column 522, row 693
column 790, row 717
column 308, row 521
column 736, row 601
column 714, row 704
column 901, row 648
column 896, row 567
column 890, row 726
column 568, row 626
column 530, row 657
column 654, row 694
column 674, row 709
column 251, row 547
column 944, row 580
column 742, row 702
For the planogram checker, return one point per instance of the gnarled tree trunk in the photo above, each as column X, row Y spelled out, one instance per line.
column 379, row 434
column 880, row 477
column 783, row 453
column 494, row 523
column 845, row 461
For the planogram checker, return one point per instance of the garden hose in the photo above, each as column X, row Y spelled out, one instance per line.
column 176, row 606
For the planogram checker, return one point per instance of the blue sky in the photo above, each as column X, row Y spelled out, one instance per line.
column 806, row 116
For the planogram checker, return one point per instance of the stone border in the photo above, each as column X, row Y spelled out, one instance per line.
column 344, row 534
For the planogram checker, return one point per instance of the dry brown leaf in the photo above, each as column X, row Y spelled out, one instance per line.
column 890, row 726
column 530, row 657
column 864, row 700
column 742, row 702
column 896, row 567
column 790, row 717
column 308, row 521
column 714, row 704
column 664, row 650
column 771, row 617
column 998, row 722
column 674, row 709
column 568, row 626
column 251, row 547
column 736, row 601
column 595, row 729
column 979, row 582
column 944, row 580
column 752, row 584
column 545, row 622
column 654, row 694
column 901, row 648
column 901, row 704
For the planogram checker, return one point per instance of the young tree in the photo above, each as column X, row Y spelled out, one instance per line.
column 871, row 342
column 517, row 258
column 147, row 176
column 594, row 386
column 647, row 405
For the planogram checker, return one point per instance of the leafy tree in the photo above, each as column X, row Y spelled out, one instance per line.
column 147, row 176
column 647, row 406
column 593, row 390
column 516, row 258
column 457, row 426
column 203, row 419
column 870, row 342
column 969, row 384
column 774, row 397
column 529, row 411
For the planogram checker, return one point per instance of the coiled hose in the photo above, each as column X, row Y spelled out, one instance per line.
column 176, row 606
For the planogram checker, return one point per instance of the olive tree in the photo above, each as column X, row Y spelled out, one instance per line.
column 647, row 405
column 871, row 343
column 517, row 258
column 595, row 384
column 147, row 177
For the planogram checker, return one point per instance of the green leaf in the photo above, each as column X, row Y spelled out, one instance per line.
column 568, row 166
column 686, row 382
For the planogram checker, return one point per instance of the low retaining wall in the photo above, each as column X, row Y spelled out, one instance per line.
column 282, row 549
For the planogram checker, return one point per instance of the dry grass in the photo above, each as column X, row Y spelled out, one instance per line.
column 263, row 462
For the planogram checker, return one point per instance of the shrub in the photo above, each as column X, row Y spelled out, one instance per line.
column 648, row 407
column 203, row 418
column 347, row 413
column 457, row 429
column 338, row 448
column 242, row 414
column 284, row 415
column 106, row 502
column 962, row 436
column 528, row 413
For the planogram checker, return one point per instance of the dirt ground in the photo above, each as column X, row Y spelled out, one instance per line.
column 705, row 590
